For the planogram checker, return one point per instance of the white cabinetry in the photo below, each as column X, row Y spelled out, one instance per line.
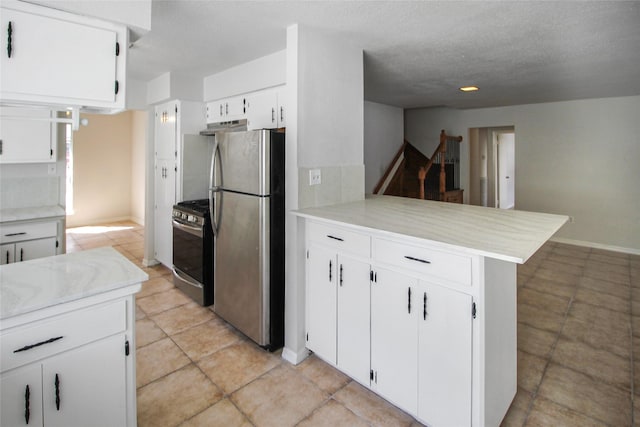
column 432, row 351
column 58, row 371
column 173, row 120
column 226, row 110
column 26, row 135
column 338, row 281
column 266, row 110
column 25, row 240
column 56, row 58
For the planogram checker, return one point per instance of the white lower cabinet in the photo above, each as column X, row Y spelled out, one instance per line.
column 394, row 338
column 383, row 314
column 75, row 367
column 445, row 319
column 26, row 240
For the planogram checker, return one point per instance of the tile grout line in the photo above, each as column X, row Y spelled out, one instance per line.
column 631, row 355
column 534, row 395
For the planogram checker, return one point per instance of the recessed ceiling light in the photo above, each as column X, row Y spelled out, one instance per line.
column 469, row 89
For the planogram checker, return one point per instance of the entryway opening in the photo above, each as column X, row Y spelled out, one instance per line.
column 492, row 167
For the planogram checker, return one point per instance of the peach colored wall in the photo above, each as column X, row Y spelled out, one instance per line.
column 103, row 163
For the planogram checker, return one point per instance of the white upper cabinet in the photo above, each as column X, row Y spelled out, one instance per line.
column 56, row 58
column 265, row 109
column 27, row 135
column 226, row 110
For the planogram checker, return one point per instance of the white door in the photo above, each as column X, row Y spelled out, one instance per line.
column 57, row 58
column 321, row 302
column 90, row 389
column 354, row 304
column 444, row 368
column 21, row 391
column 394, row 338
column 506, row 170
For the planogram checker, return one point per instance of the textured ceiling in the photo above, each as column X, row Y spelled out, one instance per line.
column 417, row 53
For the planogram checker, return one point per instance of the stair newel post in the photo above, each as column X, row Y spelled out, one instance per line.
column 443, row 174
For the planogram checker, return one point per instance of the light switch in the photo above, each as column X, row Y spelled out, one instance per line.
column 315, row 177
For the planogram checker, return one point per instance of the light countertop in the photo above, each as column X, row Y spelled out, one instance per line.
column 44, row 282
column 21, row 214
column 509, row 235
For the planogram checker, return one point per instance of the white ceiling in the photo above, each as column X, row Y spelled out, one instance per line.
column 417, row 53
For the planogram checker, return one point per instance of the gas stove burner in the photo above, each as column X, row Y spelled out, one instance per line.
column 201, row 206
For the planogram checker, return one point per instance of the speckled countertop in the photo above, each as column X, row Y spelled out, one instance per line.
column 509, row 235
column 44, row 282
column 21, row 214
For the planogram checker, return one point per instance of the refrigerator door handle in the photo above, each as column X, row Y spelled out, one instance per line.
column 213, row 188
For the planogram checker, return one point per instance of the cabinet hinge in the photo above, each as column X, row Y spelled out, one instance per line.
column 57, row 244
column 473, row 310
column 176, row 109
column 0, row 146
column 117, row 49
column 51, row 152
column 371, row 375
column 126, row 348
column 117, row 87
column 307, row 336
column 307, row 253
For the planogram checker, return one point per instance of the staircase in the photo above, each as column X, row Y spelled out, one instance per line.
column 412, row 174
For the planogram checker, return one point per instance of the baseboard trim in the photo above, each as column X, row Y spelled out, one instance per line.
column 632, row 251
column 294, row 357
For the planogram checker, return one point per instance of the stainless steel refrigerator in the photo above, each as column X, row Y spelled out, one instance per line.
column 247, row 214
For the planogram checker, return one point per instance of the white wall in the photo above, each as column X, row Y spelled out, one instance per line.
column 261, row 73
column 383, row 137
column 578, row 158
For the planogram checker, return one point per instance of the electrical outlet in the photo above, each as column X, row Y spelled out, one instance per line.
column 315, row 177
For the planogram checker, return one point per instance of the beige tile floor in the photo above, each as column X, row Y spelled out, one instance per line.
column 578, row 352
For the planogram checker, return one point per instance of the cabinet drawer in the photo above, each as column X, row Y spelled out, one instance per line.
column 445, row 265
column 339, row 238
column 25, row 344
column 27, row 231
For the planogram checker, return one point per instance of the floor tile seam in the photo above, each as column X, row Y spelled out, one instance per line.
column 534, row 395
column 180, row 331
column 163, row 311
column 314, row 410
column 570, row 409
column 165, row 375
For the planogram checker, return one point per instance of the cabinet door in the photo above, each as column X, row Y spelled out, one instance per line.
column 354, row 345
column 444, row 370
column 165, row 198
column 87, row 386
column 26, row 135
column 7, row 253
column 394, row 338
column 165, row 131
column 235, row 108
column 262, row 110
column 321, row 302
column 21, row 391
column 57, row 58
column 33, row 249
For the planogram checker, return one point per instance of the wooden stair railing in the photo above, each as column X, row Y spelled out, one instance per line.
column 439, row 154
column 400, row 152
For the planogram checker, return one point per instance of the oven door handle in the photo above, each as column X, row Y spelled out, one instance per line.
column 196, row 231
column 184, row 277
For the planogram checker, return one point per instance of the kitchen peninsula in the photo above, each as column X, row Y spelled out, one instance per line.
column 416, row 300
column 67, row 335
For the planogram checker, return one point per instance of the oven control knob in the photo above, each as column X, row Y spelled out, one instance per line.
column 191, row 218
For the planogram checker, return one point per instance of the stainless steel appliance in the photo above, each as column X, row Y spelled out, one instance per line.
column 247, row 191
column 193, row 250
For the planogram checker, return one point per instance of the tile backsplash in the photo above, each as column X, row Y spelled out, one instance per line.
column 338, row 184
column 27, row 192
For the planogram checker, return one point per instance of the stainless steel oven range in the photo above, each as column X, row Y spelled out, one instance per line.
column 193, row 247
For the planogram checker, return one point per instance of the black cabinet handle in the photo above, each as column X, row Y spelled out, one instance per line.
column 30, row 346
column 9, row 40
column 424, row 312
column 424, row 261
column 409, row 300
column 117, row 87
column 117, row 49
column 335, row 238
column 22, row 233
column 27, row 413
column 21, row 254
column 329, row 270
column 57, row 384
column 7, row 257
column 340, row 274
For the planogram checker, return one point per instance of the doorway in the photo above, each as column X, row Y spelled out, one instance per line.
column 492, row 167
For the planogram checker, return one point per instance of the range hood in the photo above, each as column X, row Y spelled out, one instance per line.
column 230, row 126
